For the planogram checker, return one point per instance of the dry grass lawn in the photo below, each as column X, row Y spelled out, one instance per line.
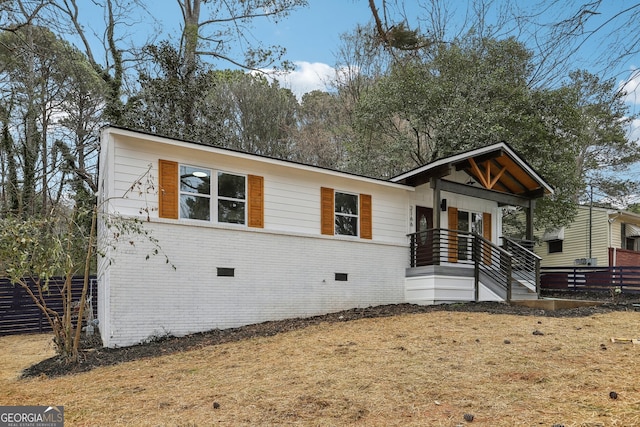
column 422, row 370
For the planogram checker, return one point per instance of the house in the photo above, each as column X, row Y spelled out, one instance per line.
column 598, row 237
column 254, row 238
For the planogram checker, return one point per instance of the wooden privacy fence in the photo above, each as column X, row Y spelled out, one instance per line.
column 591, row 279
column 20, row 315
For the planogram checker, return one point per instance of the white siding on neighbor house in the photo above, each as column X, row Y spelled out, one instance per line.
column 277, row 276
column 616, row 234
column 576, row 240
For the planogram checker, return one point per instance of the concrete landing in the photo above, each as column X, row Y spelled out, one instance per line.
column 555, row 304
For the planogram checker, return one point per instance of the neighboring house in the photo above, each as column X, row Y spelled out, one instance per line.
column 598, row 237
column 256, row 239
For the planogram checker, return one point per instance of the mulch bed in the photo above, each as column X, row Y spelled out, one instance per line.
column 93, row 355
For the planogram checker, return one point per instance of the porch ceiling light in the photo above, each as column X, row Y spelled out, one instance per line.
column 199, row 174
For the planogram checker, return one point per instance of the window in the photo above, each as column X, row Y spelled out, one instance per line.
column 231, row 198
column 195, row 193
column 346, row 214
column 468, row 222
column 343, row 213
column 555, row 246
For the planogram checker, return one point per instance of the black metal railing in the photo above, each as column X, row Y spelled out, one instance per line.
column 437, row 246
column 495, row 264
column 497, row 267
column 526, row 264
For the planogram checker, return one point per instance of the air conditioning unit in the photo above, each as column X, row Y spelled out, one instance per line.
column 587, row 262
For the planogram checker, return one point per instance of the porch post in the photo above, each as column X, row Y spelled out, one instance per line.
column 530, row 209
column 477, row 258
column 435, row 185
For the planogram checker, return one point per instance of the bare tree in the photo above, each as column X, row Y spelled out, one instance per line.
column 228, row 25
column 16, row 14
column 561, row 33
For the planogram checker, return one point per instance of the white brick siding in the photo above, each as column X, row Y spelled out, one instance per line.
column 277, row 276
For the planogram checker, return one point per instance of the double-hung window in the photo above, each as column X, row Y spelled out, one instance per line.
column 232, row 198
column 195, row 193
column 197, row 199
column 346, row 214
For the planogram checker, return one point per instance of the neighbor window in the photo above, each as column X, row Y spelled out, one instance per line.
column 232, row 197
column 555, row 246
column 346, row 214
column 195, row 193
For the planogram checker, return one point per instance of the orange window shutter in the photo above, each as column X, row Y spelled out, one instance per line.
column 486, row 233
column 486, row 225
column 327, row 211
column 452, row 214
column 168, row 194
column 256, row 201
column 365, row 217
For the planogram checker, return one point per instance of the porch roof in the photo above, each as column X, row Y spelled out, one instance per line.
column 495, row 167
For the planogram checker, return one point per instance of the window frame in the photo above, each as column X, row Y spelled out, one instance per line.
column 555, row 249
column 182, row 193
column 477, row 227
column 245, row 201
column 631, row 241
column 336, row 214
column 214, row 195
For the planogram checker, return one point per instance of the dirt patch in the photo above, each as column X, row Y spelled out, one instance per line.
column 93, row 355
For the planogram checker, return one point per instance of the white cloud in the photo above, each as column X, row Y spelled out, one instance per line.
column 632, row 87
column 306, row 77
column 634, row 130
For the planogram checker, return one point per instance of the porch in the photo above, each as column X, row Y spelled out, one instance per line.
column 448, row 266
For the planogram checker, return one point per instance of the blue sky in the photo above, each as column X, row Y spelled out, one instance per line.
column 311, row 35
column 312, row 38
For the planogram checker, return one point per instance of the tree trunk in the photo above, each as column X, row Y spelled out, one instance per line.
column 85, row 285
column 11, row 199
column 31, row 143
column 190, row 38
